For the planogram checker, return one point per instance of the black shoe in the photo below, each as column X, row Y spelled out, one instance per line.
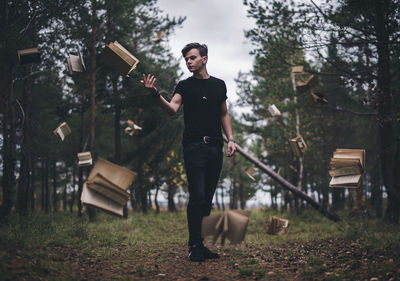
column 208, row 254
column 196, row 253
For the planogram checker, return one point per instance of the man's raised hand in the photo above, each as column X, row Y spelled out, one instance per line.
column 148, row 83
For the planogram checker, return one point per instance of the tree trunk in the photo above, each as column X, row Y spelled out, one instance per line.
column 32, row 184
column 171, row 202
column 8, row 151
column 156, row 200
column 46, row 186
column 55, row 196
column 71, row 204
column 385, row 101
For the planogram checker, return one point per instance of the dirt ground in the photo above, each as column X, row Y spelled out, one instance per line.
column 319, row 260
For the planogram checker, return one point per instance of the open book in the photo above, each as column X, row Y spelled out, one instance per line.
column 273, row 110
column 120, row 58
column 95, row 199
column 76, row 64
column 317, row 98
column 277, row 226
column 132, row 128
column 62, row 130
column 307, row 84
column 298, row 145
column 250, row 173
column 107, row 185
column 346, row 167
column 85, row 159
column 26, row 56
column 230, row 224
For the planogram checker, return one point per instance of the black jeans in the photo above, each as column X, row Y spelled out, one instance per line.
column 203, row 163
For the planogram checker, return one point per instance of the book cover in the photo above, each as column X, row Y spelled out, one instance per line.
column 75, row 64
column 273, row 110
column 120, row 58
column 118, row 175
column 230, row 224
column 31, row 55
column 62, row 131
column 92, row 198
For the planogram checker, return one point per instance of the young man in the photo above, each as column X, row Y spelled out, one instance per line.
column 205, row 111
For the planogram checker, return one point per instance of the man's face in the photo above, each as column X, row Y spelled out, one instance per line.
column 194, row 61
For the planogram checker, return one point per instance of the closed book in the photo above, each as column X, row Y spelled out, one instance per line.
column 351, row 181
column 85, row 159
column 75, row 64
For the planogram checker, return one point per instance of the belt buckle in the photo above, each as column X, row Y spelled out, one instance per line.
column 206, row 139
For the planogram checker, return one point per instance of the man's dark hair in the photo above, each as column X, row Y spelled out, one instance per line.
column 203, row 50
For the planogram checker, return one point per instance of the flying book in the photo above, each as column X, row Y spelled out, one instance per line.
column 132, row 128
column 317, row 98
column 230, row 224
column 76, row 64
column 120, row 58
column 117, row 175
column 250, row 172
column 159, row 36
column 108, row 189
column 85, row 159
column 298, row 69
column 26, row 56
column 277, row 226
column 347, row 167
column 95, row 199
column 298, row 146
column 62, row 130
column 308, row 84
column 273, row 110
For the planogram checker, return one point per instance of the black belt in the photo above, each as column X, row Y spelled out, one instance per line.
column 205, row 140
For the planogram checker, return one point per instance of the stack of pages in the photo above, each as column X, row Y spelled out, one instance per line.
column 106, row 187
column 347, row 167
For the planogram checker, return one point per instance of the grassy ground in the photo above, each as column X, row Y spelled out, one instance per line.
column 153, row 247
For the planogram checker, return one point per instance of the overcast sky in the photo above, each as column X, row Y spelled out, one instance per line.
column 220, row 24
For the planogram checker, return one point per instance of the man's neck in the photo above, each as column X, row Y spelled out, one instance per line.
column 202, row 74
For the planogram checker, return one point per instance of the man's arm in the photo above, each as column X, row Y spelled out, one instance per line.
column 227, row 126
column 169, row 107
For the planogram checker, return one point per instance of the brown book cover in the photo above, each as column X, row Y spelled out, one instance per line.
column 118, row 175
column 95, row 199
column 26, row 56
column 230, row 224
column 346, row 153
column 62, row 131
column 120, row 58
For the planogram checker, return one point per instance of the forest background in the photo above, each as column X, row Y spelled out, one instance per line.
column 354, row 47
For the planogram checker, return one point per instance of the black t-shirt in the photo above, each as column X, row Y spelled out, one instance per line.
column 202, row 100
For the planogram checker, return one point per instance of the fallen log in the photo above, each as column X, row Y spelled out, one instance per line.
column 287, row 185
